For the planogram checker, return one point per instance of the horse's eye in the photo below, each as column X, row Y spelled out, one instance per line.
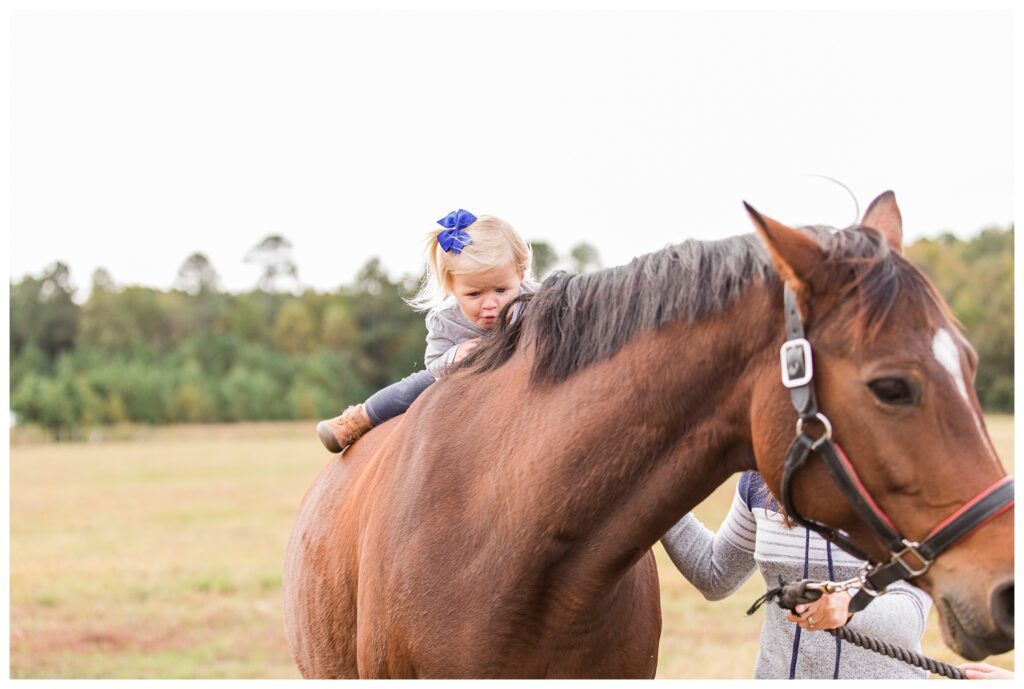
column 894, row 391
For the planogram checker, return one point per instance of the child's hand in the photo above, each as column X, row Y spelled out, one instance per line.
column 464, row 349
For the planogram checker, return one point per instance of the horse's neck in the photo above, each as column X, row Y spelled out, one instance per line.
column 654, row 430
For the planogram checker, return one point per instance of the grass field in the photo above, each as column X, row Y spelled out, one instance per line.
column 161, row 558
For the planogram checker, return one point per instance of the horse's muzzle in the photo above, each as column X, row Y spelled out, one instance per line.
column 976, row 633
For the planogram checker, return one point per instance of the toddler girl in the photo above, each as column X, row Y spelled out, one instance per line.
column 475, row 267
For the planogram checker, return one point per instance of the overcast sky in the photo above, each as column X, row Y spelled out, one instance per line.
column 139, row 138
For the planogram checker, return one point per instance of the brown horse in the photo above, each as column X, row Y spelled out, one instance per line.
column 503, row 527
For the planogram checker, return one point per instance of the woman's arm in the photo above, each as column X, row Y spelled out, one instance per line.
column 717, row 564
column 898, row 616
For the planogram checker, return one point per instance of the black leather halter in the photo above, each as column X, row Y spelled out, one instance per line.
column 798, row 376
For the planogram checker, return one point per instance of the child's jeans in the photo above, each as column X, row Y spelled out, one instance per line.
column 395, row 399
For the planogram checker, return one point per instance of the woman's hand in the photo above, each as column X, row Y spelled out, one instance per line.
column 985, row 671
column 464, row 349
column 828, row 612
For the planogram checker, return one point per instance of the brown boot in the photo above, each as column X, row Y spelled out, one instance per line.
column 338, row 433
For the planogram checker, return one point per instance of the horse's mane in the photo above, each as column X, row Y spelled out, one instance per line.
column 575, row 320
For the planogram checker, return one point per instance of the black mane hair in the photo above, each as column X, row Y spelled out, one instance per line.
column 574, row 320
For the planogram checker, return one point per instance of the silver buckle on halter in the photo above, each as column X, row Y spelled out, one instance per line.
column 912, row 548
column 797, row 365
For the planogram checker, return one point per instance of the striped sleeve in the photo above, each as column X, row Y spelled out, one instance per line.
column 714, row 563
column 739, row 528
column 898, row 616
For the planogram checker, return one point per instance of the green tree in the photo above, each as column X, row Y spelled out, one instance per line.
column 294, row 329
column 196, row 275
column 585, row 258
column 131, row 319
column 43, row 312
column 253, row 395
column 391, row 336
column 274, row 257
column 194, row 400
column 338, row 328
column 30, row 359
column 60, row 403
column 251, row 316
column 51, row 406
column 545, row 258
column 327, row 383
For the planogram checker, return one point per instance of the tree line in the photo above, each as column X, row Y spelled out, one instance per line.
column 976, row 279
column 195, row 353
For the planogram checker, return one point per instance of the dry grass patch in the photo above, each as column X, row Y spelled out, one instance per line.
column 162, row 557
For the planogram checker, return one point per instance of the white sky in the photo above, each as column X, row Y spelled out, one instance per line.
column 140, row 137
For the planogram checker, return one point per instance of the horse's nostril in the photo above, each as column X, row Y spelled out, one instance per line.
column 1002, row 608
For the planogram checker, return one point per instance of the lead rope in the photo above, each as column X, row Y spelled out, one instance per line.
column 788, row 596
column 899, row 653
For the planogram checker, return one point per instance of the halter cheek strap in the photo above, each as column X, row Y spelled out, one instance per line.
column 983, row 508
column 801, row 389
column 797, row 375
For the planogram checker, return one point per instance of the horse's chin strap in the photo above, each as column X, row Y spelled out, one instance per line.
column 908, row 559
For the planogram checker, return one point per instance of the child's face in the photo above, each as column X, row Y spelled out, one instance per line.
column 481, row 295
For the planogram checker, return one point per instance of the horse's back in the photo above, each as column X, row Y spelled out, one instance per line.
column 319, row 583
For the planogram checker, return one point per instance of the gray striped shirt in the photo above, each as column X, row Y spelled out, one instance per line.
column 753, row 536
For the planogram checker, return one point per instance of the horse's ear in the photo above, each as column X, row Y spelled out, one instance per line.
column 797, row 256
column 884, row 215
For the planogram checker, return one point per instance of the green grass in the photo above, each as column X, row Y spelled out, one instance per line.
column 161, row 557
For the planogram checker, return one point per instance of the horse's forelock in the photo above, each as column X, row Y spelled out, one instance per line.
column 872, row 278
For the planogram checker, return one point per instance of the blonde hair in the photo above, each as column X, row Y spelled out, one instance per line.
column 493, row 244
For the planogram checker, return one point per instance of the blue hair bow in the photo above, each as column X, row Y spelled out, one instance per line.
column 453, row 238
